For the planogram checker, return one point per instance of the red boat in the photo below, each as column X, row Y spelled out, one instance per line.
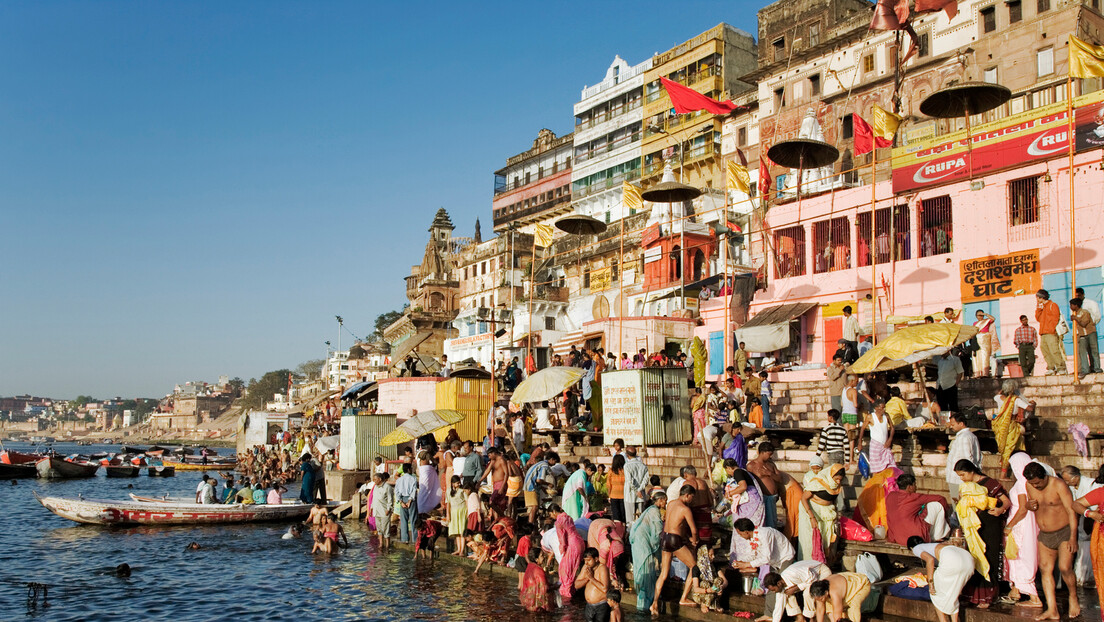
column 14, row 457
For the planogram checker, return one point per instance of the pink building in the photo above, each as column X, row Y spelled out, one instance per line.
column 942, row 236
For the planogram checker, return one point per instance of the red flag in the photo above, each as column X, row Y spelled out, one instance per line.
column 764, row 178
column 685, row 99
column 950, row 7
column 889, row 15
column 865, row 140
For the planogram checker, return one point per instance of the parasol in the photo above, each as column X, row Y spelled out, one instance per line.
column 546, row 384
column 670, row 192
column 421, row 424
column 802, row 153
column 963, row 100
column 577, row 224
column 912, row 345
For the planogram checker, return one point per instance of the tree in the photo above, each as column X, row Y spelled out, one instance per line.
column 263, row 390
column 81, row 400
column 237, row 384
column 311, row 370
column 384, row 320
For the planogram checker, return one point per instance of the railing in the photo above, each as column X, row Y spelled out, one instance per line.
column 602, row 118
column 583, row 156
column 533, row 209
column 605, row 184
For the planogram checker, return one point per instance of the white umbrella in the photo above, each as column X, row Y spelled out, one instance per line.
column 546, row 384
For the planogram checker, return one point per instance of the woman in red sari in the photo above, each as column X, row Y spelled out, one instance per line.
column 1096, row 547
column 534, row 585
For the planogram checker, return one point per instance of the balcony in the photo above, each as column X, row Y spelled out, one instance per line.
column 583, row 156
column 523, row 215
column 608, row 116
column 580, row 192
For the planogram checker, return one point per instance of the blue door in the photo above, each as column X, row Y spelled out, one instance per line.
column 1058, row 285
column 716, row 353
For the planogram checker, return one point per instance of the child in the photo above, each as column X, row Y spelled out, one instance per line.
column 457, row 514
column 474, row 523
column 613, row 599
column 428, row 531
column 765, row 397
column 654, row 480
column 480, row 546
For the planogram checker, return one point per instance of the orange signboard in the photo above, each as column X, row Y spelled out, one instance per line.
column 986, row 278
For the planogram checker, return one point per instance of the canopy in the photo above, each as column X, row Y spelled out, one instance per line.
column 328, row 443
column 353, row 390
column 769, row 330
column 912, row 345
column 421, row 424
column 545, row 384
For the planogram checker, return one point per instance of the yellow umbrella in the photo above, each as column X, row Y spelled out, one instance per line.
column 546, row 384
column 421, row 424
column 912, row 345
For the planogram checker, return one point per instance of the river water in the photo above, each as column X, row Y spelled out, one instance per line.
column 242, row 572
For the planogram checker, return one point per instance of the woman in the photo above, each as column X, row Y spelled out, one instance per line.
column 1083, row 507
column 616, row 482
column 534, row 585
column 945, row 583
column 743, row 494
column 512, row 375
column 881, row 437
column 1007, row 422
column 571, row 551
column 1021, row 535
column 609, row 538
column 982, row 505
column 930, row 409
column 574, row 492
column 644, row 537
column 984, row 324
column 697, row 406
column 818, row 530
column 429, row 488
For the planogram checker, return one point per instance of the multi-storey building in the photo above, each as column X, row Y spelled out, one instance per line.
column 535, row 185
column 608, row 131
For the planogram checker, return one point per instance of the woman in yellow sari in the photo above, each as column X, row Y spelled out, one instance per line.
column 1009, row 432
column 981, row 510
column 1082, row 506
column 820, row 515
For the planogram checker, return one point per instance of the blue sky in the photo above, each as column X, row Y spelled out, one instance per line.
column 191, row 189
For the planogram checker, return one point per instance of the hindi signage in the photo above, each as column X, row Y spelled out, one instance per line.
column 986, row 278
column 622, row 405
column 601, row 279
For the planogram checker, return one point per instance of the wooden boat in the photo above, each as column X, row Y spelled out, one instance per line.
column 61, row 468
column 13, row 471
column 103, row 512
column 221, row 465
column 15, row 457
column 121, row 470
column 161, row 471
column 168, row 499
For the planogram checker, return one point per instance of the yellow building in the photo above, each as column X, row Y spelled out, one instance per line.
column 711, row 63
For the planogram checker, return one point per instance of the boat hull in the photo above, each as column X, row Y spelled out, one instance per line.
column 12, row 471
column 15, row 457
column 57, row 468
column 161, row 471
column 122, row 470
column 122, row 513
column 193, row 466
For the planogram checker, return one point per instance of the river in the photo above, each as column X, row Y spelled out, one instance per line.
column 242, row 572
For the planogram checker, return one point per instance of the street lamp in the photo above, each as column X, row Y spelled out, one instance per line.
column 340, row 322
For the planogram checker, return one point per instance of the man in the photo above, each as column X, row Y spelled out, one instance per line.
column 383, row 504
column 446, row 367
column 702, row 504
column 572, row 359
column 758, row 551
column 1079, row 487
column 1050, row 499
column 518, row 429
column 964, row 446
column 773, row 480
column 406, row 491
column 949, row 372
column 840, row 596
column 740, row 361
column 837, row 381
column 539, row 484
column 798, row 577
column 496, row 469
column 679, row 539
column 949, row 316
column 593, row 579
column 851, row 330
column 1026, row 340
column 1085, row 329
column 849, row 417
column 205, row 492
column 636, row 485
column 833, row 440
column 910, row 513
column 473, row 464
column 676, row 484
column 1088, row 304
column 752, row 386
column 1048, row 315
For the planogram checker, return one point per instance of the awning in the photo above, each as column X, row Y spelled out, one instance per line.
column 770, row 329
column 353, row 390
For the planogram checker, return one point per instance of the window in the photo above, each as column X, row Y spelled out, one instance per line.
column 832, row 241
column 868, row 63
column 1045, row 61
column 549, row 323
column 848, row 126
column 1023, row 200
column 527, row 177
column 586, row 277
column 991, row 75
column 676, row 258
column 789, row 255
column 1015, row 11
column 1043, row 6
column 779, row 46
column 741, row 137
column 483, row 268
column 924, row 48
column 779, row 97
column 936, row 234
column 814, row 35
column 891, row 236
column 988, row 19
column 814, row 85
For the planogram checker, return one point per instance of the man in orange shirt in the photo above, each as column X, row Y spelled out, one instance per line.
column 1047, row 314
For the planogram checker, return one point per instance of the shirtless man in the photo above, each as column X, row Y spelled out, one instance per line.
column 594, row 576
column 514, row 478
column 773, row 480
column 317, row 517
column 1050, row 499
column 840, row 596
column 496, row 468
column 679, row 539
column 702, row 504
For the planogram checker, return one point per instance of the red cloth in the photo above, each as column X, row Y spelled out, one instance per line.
column 685, row 99
column 865, row 140
column 534, row 589
column 948, row 6
column 764, row 178
column 903, row 513
column 523, row 547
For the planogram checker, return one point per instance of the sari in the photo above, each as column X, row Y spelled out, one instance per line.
column 984, row 536
column 872, row 498
column 792, row 502
column 1008, row 431
column 954, row 569
column 817, row 536
column 534, row 589
column 574, row 495
column 1096, row 544
column 644, row 537
column 429, row 489
column 371, row 521
column 697, row 406
column 748, row 504
column 457, row 512
column 571, row 551
column 608, row 537
column 1020, row 568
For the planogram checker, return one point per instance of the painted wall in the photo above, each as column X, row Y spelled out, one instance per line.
column 402, row 396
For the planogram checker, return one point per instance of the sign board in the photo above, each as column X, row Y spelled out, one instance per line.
column 601, row 279
column 1034, row 135
column 622, row 405
column 653, row 254
column 986, row 278
column 835, row 309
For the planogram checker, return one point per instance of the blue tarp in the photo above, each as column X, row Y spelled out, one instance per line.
column 353, row 390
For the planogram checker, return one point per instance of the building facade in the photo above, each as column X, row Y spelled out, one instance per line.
column 535, row 185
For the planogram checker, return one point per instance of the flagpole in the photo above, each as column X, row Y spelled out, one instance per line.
column 873, row 239
column 724, row 273
column 621, row 280
column 1071, row 139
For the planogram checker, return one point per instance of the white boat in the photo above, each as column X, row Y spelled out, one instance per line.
column 104, row 512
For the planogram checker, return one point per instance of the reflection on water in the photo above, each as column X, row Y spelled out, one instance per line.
column 243, row 571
